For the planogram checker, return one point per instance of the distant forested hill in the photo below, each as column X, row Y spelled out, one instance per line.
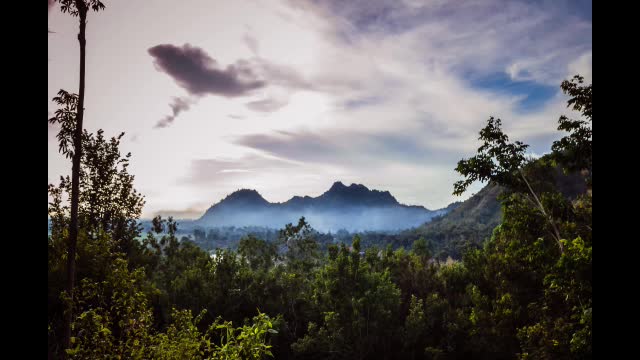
column 472, row 221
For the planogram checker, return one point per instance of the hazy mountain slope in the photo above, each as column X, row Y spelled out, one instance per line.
column 354, row 208
column 473, row 220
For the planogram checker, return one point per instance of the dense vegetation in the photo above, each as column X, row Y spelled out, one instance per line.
column 526, row 292
column 464, row 225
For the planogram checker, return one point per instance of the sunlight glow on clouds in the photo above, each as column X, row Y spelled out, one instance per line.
column 286, row 97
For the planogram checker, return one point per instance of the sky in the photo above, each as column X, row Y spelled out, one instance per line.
column 288, row 96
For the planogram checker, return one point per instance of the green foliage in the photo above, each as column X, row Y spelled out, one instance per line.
column 247, row 342
column 183, row 340
column 574, row 151
column 358, row 303
column 420, row 247
column 113, row 318
column 497, row 160
column 415, row 326
column 108, row 200
column 259, row 253
column 302, row 248
column 512, row 296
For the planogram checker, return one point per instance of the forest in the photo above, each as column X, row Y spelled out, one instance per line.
column 116, row 292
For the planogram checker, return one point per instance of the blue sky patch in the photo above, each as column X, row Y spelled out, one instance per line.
column 536, row 95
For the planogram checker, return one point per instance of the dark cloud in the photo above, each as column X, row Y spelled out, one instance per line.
column 177, row 106
column 266, row 105
column 50, row 4
column 199, row 74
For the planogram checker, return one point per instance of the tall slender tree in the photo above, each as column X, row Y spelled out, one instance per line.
column 79, row 9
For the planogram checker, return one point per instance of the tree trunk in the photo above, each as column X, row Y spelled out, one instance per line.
column 556, row 233
column 75, row 178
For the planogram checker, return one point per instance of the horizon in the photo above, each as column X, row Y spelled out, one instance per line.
column 219, row 96
column 292, row 197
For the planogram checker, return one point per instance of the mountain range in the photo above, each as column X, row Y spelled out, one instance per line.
column 352, row 208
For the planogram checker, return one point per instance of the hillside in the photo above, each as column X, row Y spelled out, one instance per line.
column 473, row 220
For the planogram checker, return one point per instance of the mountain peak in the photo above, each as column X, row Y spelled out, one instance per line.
column 357, row 194
column 358, row 187
column 338, row 185
column 245, row 196
column 354, row 207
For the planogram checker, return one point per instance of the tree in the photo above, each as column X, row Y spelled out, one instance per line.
column 526, row 299
column 109, row 208
column 502, row 162
column 77, row 8
column 357, row 306
column 259, row 253
column 574, row 151
column 302, row 248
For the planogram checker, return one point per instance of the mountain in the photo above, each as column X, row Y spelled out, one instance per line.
column 353, row 208
column 470, row 221
column 473, row 220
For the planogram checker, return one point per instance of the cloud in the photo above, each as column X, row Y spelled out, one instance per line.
column 529, row 40
column 198, row 73
column 266, row 105
column 348, row 148
column 192, row 212
column 581, row 66
column 207, row 172
column 388, row 93
column 50, row 4
column 177, row 106
column 251, row 43
column 282, row 75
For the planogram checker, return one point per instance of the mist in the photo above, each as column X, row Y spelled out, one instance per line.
column 353, row 219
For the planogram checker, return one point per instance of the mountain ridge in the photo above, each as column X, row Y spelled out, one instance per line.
column 353, row 207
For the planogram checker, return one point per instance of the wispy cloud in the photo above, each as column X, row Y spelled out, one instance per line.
column 267, row 105
column 528, row 40
column 207, row 172
column 251, row 43
column 178, row 105
column 192, row 212
column 350, row 149
column 387, row 93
